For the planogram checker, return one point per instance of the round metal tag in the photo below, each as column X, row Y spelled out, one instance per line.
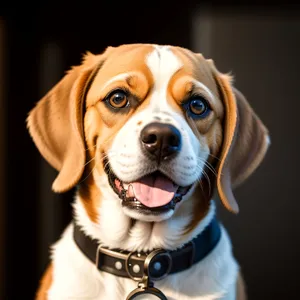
column 147, row 293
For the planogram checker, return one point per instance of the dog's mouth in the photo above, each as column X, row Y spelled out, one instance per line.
column 154, row 193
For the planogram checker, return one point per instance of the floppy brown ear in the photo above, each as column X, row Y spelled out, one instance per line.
column 245, row 142
column 56, row 124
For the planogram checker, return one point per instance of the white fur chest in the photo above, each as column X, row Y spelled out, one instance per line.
column 75, row 277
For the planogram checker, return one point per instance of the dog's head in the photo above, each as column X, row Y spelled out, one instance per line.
column 151, row 123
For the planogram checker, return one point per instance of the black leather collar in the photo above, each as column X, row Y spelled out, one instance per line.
column 157, row 264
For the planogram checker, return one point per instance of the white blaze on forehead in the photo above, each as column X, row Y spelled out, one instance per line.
column 163, row 64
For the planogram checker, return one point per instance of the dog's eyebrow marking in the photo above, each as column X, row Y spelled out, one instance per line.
column 123, row 76
column 200, row 85
column 163, row 64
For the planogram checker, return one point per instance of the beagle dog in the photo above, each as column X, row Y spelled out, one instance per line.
column 148, row 134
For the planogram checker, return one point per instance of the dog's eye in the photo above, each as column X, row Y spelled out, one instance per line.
column 118, row 99
column 198, row 106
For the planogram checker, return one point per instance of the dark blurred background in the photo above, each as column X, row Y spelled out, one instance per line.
column 259, row 44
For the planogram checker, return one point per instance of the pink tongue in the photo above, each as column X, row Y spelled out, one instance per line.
column 154, row 191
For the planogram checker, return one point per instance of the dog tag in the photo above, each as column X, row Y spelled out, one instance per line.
column 146, row 294
column 146, row 291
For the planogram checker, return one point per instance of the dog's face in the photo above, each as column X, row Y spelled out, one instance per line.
column 151, row 124
column 153, row 120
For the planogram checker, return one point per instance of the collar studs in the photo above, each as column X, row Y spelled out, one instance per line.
column 118, row 265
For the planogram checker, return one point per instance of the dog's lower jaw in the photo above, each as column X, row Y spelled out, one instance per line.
column 161, row 214
column 136, row 215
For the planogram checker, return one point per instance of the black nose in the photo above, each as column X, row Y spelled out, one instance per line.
column 161, row 141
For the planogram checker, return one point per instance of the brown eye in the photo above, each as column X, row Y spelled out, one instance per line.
column 118, row 99
column 199, row 107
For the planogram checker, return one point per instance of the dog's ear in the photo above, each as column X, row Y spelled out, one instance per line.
column 245, row 141
column 56, row 123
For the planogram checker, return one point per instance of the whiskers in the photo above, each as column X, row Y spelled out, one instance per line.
column 88, row 162
column 199, row 180
column 111, row 154
column 214, row 157
column 203, row 164
column 85, row 178
column 209, row 166
column 94, row 147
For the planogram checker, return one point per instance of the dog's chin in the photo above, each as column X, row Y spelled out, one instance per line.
column 147, row 216
column 151, row 198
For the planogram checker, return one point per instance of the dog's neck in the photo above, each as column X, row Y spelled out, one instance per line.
column 114, row 229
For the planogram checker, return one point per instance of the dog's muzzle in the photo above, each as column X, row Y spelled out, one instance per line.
column 153, row 193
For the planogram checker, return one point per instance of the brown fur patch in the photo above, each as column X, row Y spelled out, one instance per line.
column 45, row 284
column 241, row 288
column 89, row 194
column 200, row 205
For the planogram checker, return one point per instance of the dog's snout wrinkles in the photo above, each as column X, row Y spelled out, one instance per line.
column 161, row 141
